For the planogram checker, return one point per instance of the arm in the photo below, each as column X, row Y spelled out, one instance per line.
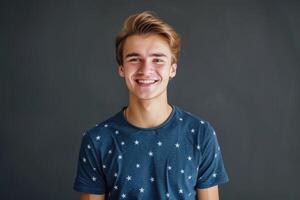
column 211, row 193
column 84, row 196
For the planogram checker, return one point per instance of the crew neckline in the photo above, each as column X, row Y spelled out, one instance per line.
column 121, row 113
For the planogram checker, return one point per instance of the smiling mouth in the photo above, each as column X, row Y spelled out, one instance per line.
column 145, row 82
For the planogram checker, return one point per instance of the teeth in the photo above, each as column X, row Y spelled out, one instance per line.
column 146, row 81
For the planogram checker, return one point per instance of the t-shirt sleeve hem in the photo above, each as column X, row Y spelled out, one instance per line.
column 211, row 184
column 88, row 190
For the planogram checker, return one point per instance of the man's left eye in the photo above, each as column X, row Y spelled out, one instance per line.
column 158, row 60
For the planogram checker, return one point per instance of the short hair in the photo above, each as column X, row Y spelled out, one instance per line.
column 147, row 22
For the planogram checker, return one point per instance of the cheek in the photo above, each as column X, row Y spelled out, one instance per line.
column 165, row 70
column 130, row 69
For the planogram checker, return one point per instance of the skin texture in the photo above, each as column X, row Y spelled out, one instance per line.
column 211, row 193
column 148, row 57
column 91, row 197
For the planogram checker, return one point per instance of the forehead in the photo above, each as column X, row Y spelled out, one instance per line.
column 146, row 44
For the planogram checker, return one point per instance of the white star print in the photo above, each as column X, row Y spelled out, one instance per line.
column 216, row 155
column 89, row 146
column 128, row 178
column 202, row 122
column 214, row 133
column 83, row 159
column 115, row 187
column 94, row 178
column 185, row 174
column 94, row 169
column 116, row 132
column 123, row 196
column 104, row 166
column 105, row 125
column 180, row 191
column 115, row 175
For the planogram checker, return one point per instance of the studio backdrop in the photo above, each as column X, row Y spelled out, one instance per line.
column 239, row 68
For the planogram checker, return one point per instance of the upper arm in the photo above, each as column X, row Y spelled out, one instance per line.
column 211, row 170
column 90, row 178
column 211, row 193
column 84, row 196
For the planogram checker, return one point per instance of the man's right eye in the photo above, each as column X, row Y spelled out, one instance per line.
column 134, row 60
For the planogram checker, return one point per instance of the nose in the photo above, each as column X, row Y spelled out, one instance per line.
column 146, row 67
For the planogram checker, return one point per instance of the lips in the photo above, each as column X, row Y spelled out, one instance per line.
column 145, row 82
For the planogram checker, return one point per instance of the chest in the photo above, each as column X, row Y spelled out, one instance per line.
column 161, row 164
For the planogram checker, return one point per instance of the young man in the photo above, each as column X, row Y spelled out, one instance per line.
column 150, row 149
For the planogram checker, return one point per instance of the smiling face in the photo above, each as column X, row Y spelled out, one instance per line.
column 147, row 66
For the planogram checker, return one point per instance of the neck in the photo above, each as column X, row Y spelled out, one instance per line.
column 147, row 113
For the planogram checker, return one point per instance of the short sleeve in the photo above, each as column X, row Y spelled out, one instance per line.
column 211, row 171
column 90, row 177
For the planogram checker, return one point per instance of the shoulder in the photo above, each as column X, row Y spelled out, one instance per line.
column 103, row 130
column 189, row 117
column 194, row 122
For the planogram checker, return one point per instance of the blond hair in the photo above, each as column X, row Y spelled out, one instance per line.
column 147, row 23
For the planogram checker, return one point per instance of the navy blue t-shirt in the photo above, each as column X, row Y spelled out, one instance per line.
column 170, row 161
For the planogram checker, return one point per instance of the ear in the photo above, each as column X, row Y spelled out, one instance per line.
column 121, row 70
column 173, row 70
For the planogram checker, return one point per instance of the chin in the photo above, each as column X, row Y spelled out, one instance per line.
column 145, row 97
column 148, row 96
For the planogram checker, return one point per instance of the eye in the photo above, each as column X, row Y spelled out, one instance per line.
column 158, row 61
column 134, row 60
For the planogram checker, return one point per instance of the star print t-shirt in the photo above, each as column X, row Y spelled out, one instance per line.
column 170, row 161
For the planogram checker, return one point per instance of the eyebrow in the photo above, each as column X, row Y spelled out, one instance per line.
column 151, row 55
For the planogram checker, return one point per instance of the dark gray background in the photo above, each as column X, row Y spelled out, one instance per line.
column 239, row 69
